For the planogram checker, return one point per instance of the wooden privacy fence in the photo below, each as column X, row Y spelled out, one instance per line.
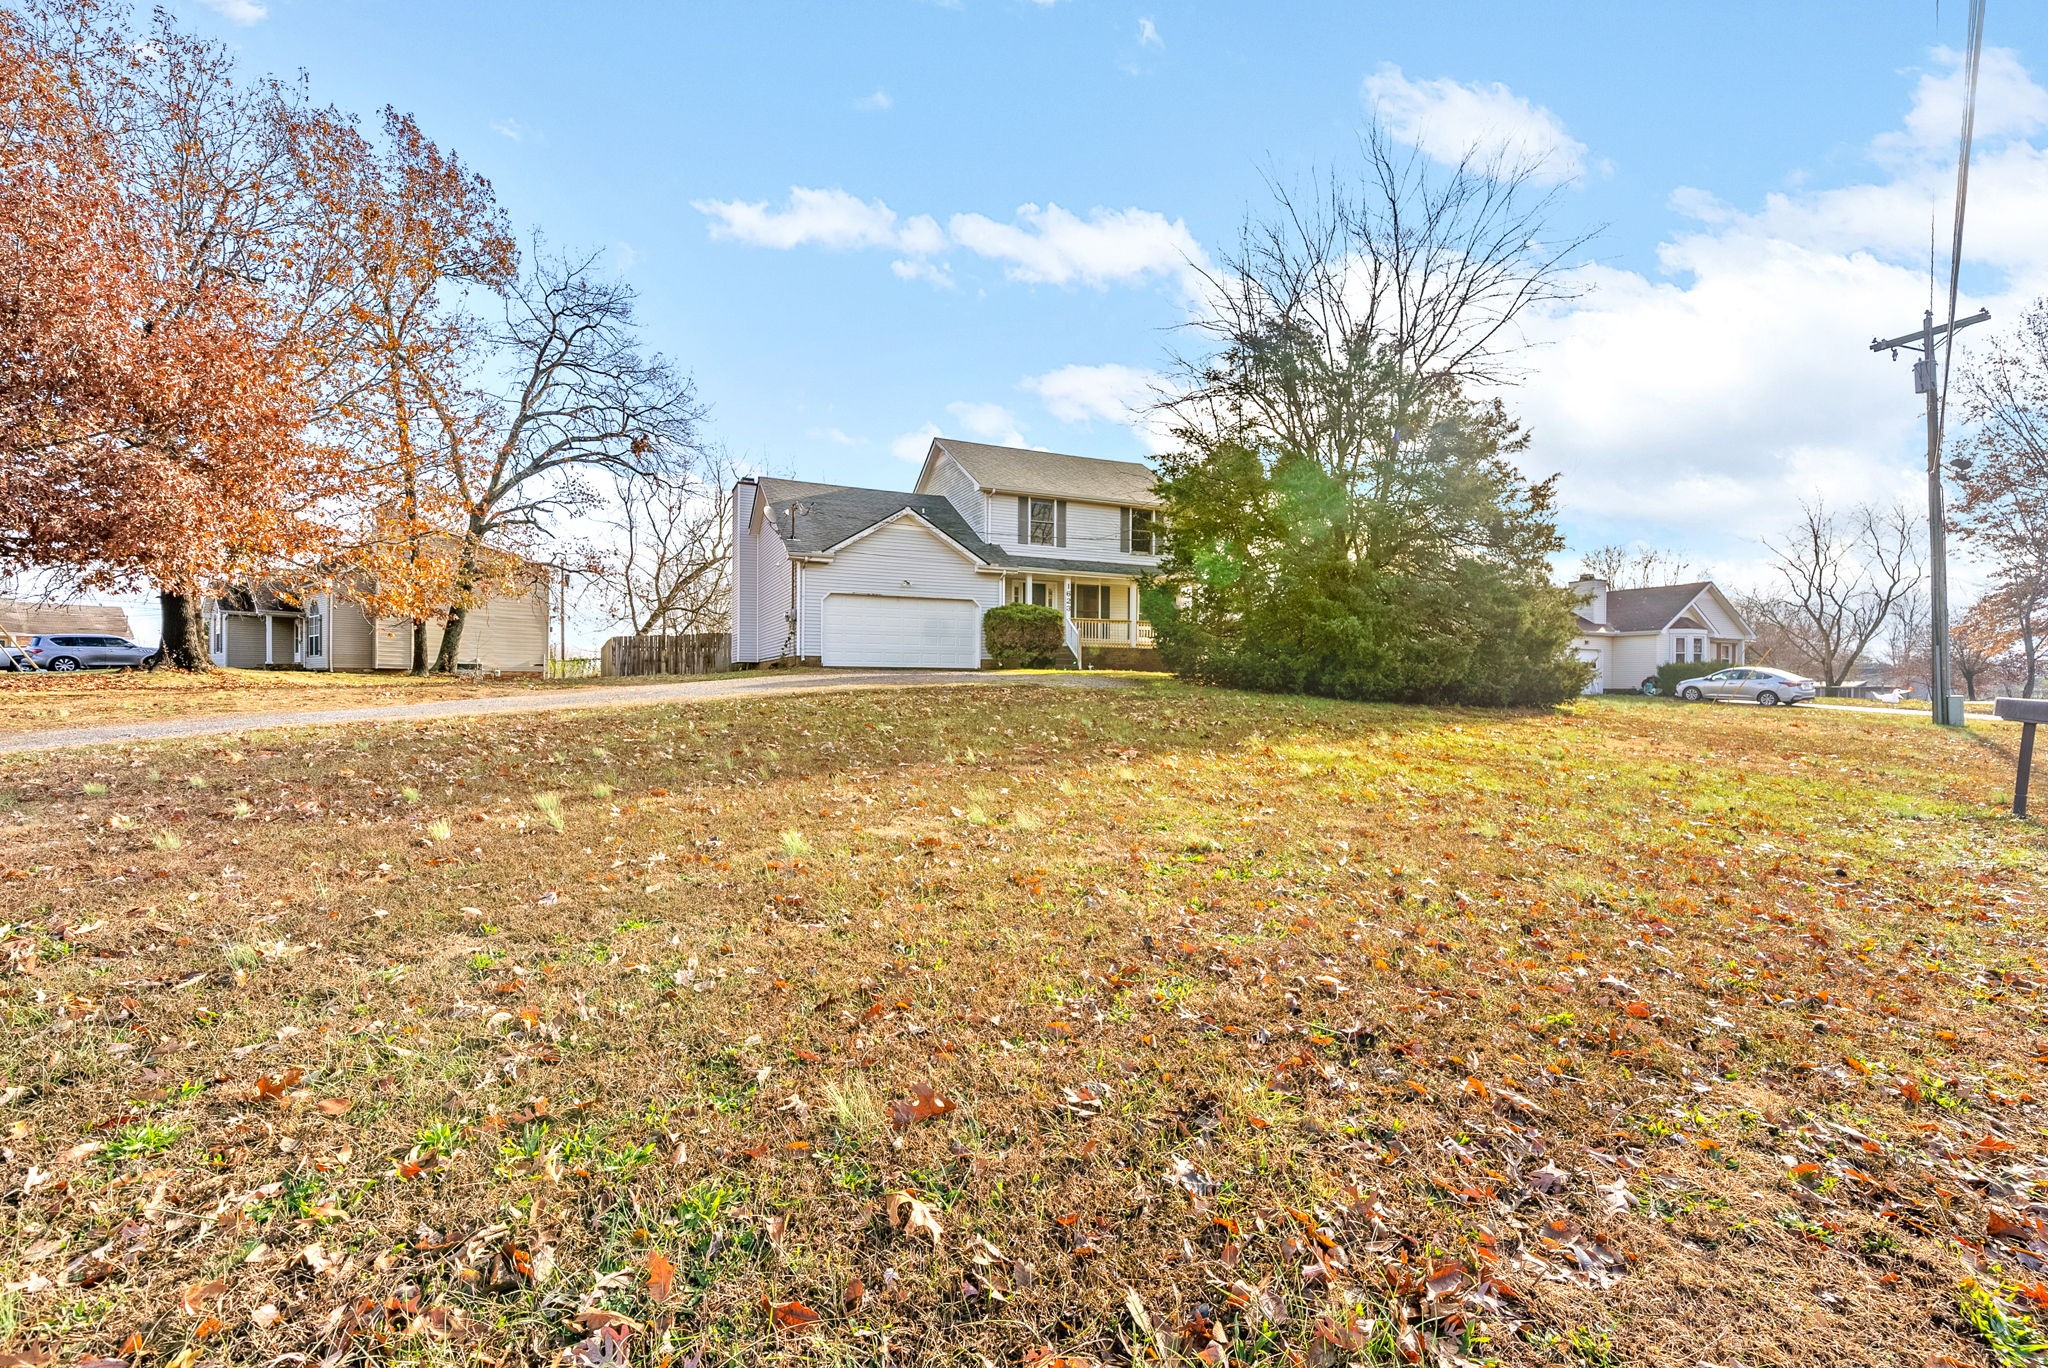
column 687, row 653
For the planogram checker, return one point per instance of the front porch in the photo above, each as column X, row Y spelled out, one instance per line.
column 1103, row 610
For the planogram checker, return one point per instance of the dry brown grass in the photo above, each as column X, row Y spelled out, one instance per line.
column 1146, row 1025
column 106, row 697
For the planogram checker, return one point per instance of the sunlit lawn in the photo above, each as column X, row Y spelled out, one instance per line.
column 1153, row 1024
column 92, row 698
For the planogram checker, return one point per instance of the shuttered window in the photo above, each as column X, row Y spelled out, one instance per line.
column 1044, row 522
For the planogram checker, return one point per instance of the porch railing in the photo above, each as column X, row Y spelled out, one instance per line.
column 1113, row 631
column 1071, row 635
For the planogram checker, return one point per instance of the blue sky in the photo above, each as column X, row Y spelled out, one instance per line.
column 998, row 194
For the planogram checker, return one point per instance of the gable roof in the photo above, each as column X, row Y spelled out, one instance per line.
column 828, row 516
column 1013, row 470
column 816, row 518
column 1652, row 609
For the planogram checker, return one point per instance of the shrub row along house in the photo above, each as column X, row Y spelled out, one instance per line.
column 832, row 575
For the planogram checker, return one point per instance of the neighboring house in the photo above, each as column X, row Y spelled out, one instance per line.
column 26, row 618
column 1626, row 634
column 875, row 577
column 266, row 624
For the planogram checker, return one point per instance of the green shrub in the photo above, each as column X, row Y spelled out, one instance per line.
column 1669, row 677
column 1023, row 636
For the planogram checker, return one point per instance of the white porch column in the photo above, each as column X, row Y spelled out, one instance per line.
column 1131, row 597
column 269, row 634
column 1027, row 589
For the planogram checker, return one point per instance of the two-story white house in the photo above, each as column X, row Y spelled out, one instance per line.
column 1627, row 634
column 834, row 575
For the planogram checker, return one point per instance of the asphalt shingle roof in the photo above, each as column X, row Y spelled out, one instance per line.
column 1652, row 609
column 818, row 519
column 815, row 518
column 1013, row 470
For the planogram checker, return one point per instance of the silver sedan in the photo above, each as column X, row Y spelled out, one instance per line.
column 1750, row 684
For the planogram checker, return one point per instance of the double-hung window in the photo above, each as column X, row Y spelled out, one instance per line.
column 1043, row 528
column 1144, row 532
column 313, row 631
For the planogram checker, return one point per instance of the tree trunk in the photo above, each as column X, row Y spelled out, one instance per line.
column 184, row 637
column 451, row 640
column 458, row 611
column 419, row 646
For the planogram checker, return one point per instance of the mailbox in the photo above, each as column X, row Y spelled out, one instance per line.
column 2027, row 712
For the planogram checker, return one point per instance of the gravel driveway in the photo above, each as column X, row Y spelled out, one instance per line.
column 746, row 685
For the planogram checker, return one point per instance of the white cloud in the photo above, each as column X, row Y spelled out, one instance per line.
column 509, row 128
column 1148, row 34
column 821, row 218
column 1444, row 119
column 1112, row 393
column 1696, row 404
column 983, row 422
column 1053, row 246
column 988, row 422
column 879, row 102
column 937, row 273
column 912, row 446
column 1042, row 246
column 834, row 436
column 238, row 11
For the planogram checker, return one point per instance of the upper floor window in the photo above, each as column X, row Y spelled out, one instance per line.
column 1144, row 532
column 1043, row 526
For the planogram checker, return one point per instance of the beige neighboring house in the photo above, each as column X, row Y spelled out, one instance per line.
column 26, row 618
column 1627, row 634
column 842, row 576
column 268, row 626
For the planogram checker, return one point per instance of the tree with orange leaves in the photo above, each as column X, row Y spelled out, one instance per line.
column 158, row 318
column 422, row 232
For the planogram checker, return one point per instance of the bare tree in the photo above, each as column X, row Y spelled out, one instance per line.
column 1636, row 567
column 582, row 397
column 671, row 568
column 1906, row 636
column 1406, row 284
column 1841, row 579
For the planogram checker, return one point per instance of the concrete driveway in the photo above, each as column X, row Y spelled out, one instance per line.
column 580, row 698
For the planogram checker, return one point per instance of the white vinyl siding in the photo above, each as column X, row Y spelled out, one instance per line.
column 958, row 488
column 1635, row 659
column 760, row 584
column 904, row 558
column 1095, row 532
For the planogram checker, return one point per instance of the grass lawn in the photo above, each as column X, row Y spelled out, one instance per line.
column 1028, row 1027
column 93, row 698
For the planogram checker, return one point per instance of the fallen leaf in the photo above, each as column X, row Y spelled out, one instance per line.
column 913, row 1217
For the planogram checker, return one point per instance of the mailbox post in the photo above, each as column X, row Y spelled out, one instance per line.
column 2027, row 712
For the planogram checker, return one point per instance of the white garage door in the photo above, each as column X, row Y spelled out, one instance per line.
column 883, row 630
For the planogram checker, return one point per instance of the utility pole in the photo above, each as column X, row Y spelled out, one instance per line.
column 562, row 620
column 1948, row 706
